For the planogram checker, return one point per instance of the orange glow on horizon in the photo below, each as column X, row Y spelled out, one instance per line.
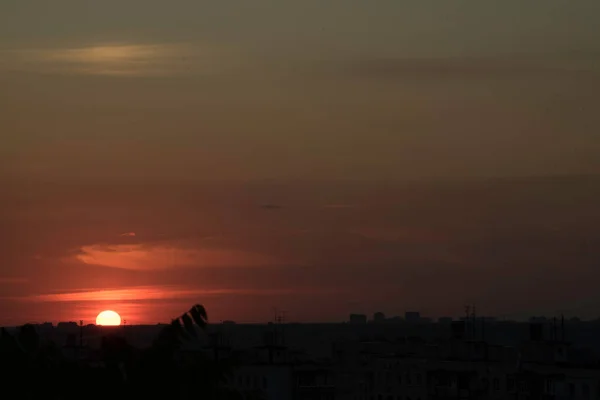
column 108, row 318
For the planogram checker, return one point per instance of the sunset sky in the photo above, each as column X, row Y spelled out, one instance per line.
column 320, row 157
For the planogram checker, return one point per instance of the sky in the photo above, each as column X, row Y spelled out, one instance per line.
column 317, row 157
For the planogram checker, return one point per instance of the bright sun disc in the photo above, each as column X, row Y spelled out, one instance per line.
column 108, row 318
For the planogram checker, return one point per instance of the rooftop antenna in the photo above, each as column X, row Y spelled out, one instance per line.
column 467, row 314
column 80, row 333
column 483, row 329
column 474, row 327
column 281, row 321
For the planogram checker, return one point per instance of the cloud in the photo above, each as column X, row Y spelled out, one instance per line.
column 147, row 293
column 341, row 206
column 157, row 257
column 129, row 59
column 128, row 234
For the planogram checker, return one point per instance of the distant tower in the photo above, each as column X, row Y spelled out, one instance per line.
column 467, row 317
column 80, row 333
column 474, row 320
column 278, row 327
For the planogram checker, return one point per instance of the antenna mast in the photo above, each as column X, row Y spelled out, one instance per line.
column 474, row 323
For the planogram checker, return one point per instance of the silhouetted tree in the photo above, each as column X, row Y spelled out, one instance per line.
column 31, row 367
column 179, row 374
column 160, row 369
column 183, row 328
column 165, row 369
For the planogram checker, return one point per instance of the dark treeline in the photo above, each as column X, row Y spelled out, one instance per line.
column 37, row 369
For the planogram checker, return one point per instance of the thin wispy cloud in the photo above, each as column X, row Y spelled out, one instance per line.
column 341, row 206
column 127, row 60
column 146, row 293
column 158, row 257
column 128, row 234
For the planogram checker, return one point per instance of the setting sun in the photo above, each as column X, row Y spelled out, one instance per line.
column 108, row 318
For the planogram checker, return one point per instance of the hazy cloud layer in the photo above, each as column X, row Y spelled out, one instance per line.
column 308, row 146
column 432, row 246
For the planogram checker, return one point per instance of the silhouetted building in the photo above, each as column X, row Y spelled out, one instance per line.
column 412, row 316
column 379, row 317
column 358, row 319
column 67, row 326
column 355, row 361
column 314, row 381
